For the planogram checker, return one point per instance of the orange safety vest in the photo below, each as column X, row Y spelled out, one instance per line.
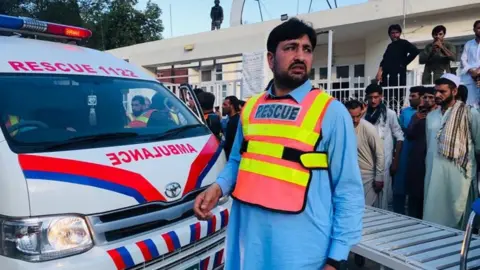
column 141, row 121
column 12, row 120
column 278, row 152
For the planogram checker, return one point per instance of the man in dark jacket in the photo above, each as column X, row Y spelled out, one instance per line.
column 216, row 14
column 396, row 58
column 207, row 101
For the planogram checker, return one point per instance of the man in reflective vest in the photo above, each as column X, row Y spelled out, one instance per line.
column 139, row 116
column 293, row 170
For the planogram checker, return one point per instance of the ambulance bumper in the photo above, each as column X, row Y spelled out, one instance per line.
column 188, row 244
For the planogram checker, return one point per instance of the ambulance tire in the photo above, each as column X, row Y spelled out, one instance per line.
column 359, row 261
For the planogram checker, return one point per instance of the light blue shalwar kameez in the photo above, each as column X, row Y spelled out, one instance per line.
column 258, row 239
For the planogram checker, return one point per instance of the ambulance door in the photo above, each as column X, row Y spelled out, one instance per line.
column 187, row 95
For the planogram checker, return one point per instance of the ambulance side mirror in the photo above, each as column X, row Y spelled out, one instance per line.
column 187, row 95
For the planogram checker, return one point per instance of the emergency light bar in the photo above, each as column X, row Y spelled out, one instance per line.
column 32, row 26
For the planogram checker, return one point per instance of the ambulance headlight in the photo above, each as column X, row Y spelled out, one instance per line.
column 43, row 239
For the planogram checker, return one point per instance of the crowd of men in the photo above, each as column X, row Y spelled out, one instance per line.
column 424, row 162
column 426, row 156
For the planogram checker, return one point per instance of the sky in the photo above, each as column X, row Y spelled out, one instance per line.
column 193, row 16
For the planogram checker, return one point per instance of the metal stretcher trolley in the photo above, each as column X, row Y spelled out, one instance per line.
column 400, row 242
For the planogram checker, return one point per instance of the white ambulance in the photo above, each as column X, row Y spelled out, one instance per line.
column 79, row 187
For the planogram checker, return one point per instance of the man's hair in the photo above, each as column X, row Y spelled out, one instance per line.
column 439, row 28
column 373, row 88
column 417, row 89
column 234, row 101
column 140, row 99
column 241, row 103
column 442, row 81
column 353, row 104
column 476, row 23
column 394, row 27
column 206, row 100
column 291, row 29
column 462, row 93
column 197, row 91
column 429, row 90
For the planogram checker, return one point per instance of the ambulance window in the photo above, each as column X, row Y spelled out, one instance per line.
column 41, row 113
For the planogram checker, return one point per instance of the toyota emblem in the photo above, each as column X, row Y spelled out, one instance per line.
column 172, row 190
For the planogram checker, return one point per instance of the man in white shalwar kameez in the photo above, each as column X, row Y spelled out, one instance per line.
column 386, row 123
column 453, row 136
column 470, row 67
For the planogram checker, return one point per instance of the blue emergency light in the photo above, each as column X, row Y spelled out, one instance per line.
column 29, row 25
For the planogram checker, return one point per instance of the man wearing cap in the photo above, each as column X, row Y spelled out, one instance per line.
column 293, row 170
column 453, row 136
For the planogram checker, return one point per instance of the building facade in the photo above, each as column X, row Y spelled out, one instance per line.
column 213, row 59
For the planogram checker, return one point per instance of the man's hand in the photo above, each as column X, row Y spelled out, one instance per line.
column 421, row 115
column 377, row 186
column 393, row 168
column 379, row 76
column 206, row 201
column 328, row 267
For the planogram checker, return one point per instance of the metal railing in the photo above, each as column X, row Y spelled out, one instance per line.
column 343, row 89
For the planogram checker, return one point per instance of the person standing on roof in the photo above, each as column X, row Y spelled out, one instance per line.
column 293, row 169
column 216, row 14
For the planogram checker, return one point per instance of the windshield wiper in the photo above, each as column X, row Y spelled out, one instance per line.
column 91, row 139
column 173, row 131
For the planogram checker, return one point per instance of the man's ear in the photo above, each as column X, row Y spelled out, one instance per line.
column 271, row 59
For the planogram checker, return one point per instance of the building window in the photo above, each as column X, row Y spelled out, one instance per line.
column 359, row 71
column 224, row 91
column 312, row 74
column 343, row 72
column 219, row 74
column 323, row 73
column 206, row 75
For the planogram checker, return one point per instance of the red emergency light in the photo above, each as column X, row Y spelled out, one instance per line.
column 29, row 25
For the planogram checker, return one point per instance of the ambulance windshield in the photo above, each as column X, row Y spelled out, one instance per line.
column 45, row 112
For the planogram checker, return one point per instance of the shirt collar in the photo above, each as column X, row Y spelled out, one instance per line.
column 298, row 94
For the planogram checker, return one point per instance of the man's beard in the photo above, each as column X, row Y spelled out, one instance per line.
column 137, row 113
column 444, row 102
column 283, row 79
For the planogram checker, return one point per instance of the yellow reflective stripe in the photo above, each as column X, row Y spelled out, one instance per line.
column 275, row 171
column 247, row 109
column 314, row 160
column 142, row 119
column 265, row 148
column 315, row 111
column 282, row 131
column 175, row 118
column 13, row 120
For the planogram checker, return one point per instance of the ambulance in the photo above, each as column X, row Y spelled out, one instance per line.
column 79, row 187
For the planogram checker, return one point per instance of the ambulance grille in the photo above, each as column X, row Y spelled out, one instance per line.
column 124, row 223
column 173, row 260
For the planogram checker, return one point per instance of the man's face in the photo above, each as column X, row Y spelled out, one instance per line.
column 147, row 103
column 476, row 30
column 439, row 36
column 137, row 108
column 444, row 95
column 292, row 62
column 226, row 107
column 414, row 99
column 374, row 99
column 428, row 101
column 394, row 35
column 356, row 115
